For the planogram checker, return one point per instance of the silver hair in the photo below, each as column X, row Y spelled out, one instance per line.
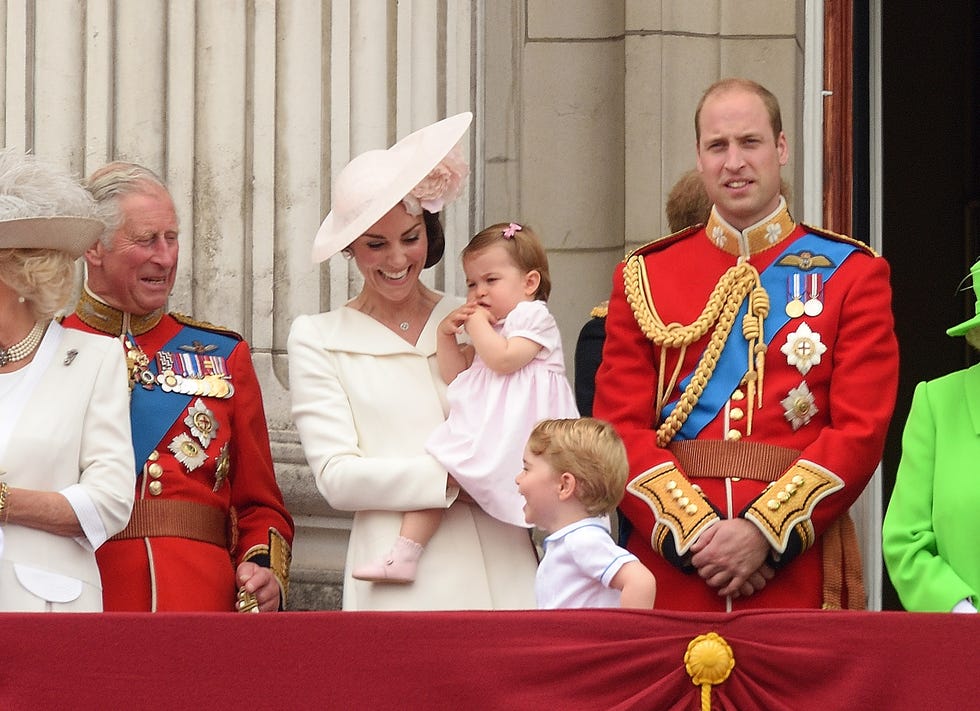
column 973, row 337
column 114, row 181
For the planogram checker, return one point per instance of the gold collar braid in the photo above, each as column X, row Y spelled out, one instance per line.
column 718, row 316
column 108, row 319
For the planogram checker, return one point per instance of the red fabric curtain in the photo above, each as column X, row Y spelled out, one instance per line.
column 569, row 659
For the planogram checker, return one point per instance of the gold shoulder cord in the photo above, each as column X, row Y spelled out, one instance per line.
column 719, row 313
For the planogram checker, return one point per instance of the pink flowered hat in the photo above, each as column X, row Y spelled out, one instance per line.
column 426, row 169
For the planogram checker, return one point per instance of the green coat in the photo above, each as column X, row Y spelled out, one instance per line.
column 931, row 533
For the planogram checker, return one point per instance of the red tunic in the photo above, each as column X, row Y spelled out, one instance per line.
column 853, row 390
column 174, row 573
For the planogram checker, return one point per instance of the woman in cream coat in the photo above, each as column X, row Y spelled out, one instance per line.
column 366, row 390
column 66, row 462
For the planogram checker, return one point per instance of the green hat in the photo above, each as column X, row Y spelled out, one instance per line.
column 962, row 328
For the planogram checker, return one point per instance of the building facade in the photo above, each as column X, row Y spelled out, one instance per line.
column 584, row 119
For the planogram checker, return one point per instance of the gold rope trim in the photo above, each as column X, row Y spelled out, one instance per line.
column 718, row 317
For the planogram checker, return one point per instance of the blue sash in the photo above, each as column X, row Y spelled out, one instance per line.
column 734, row 358
column 153, row 412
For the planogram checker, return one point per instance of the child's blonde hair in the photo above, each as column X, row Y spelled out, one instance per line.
column 592, row 452
column 523, row 246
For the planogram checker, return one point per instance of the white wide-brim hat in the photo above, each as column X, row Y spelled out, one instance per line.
column 376, row 181
column 64, row 233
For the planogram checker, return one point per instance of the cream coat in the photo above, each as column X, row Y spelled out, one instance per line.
column 74, row 430
column 364, row 402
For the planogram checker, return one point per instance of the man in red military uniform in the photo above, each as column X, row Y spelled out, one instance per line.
column 209, row 530
column 750, row 366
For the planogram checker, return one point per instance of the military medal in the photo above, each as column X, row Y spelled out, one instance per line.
column 137, row 363
column 194, row 373
column 221, row 468
column 799, row 406
column 187, row 452
column 200, row 420
column 794, row 302
column 803, row 349
column 814, row 292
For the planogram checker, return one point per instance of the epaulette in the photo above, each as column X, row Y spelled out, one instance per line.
column 665, row 241
column 600, row 310
column 205, row 325
column 839, row 238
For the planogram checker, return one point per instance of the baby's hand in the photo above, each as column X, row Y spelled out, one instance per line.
column 483, row 313
column 452, row 323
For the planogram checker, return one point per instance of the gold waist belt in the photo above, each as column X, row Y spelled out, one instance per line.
column 740, row 458
column 153, row 518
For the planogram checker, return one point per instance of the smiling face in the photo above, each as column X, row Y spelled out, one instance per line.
column 496, row 283
column 391, row 255
column 540, row 485
column 739, row 157
column 137, row 274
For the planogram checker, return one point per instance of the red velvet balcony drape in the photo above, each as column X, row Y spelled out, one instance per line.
column 575, row 659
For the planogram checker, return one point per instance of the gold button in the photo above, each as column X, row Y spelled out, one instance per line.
column 801, row 406
column 798, row 480
column 683, row 501
column 671, row 485
column 790, row 488
column 736, row 413
column 738, row 395
column 696, row 488
column 691, row 509
column 772, row 504
column 155, row 470
column 154, row 455
column 155, row 488
column 677, row 493
column 733, row 435
column 782, row 496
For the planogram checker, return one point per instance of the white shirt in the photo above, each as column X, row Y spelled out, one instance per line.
column 580, row 560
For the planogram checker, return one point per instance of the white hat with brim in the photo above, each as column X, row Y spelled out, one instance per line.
column 375, row 181
column 66, row 234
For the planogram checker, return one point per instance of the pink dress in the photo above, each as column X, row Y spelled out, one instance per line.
column 482, row 441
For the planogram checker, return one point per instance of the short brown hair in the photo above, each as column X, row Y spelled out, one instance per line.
column 688, row 202
column 524, row 248
column 590, row 450
column 735, row 83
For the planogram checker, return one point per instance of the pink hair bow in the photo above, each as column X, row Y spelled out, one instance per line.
column 512, row 229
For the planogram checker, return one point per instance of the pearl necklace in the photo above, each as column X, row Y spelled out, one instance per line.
column 24, row 348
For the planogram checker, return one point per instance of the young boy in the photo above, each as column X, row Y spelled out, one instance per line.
column 574, row 476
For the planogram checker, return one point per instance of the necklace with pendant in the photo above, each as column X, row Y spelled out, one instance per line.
column 24, row 348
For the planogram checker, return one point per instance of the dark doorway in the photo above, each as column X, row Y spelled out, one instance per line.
column 930, row 67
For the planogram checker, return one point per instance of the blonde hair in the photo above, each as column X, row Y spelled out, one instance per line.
column 524, row 248
column 44, row 277
column 590, row 450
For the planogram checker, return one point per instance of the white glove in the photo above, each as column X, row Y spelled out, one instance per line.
column 965, row 605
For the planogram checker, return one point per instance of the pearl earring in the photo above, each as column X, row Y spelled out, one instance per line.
column 21, row 299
